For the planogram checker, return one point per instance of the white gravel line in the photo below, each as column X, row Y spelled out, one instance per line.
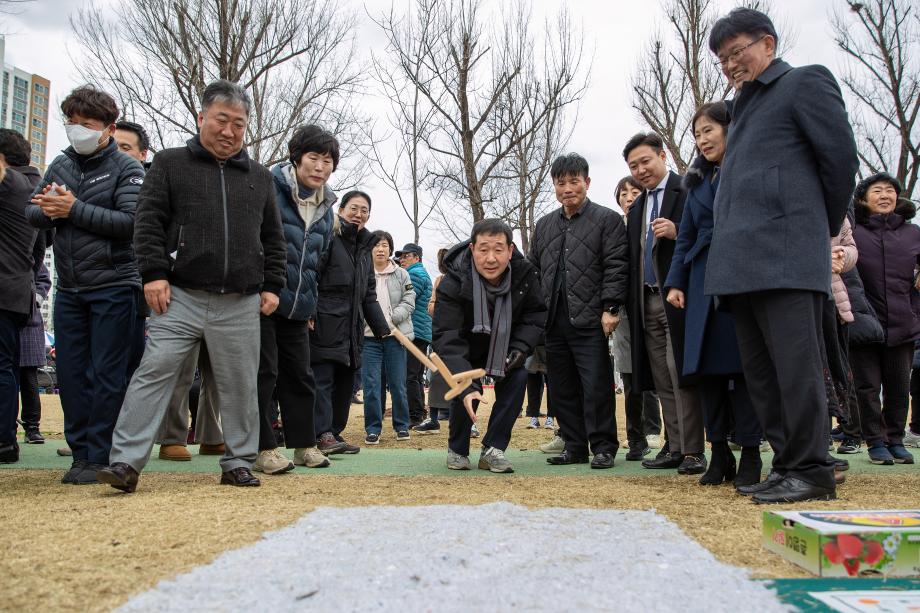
column 493, row 557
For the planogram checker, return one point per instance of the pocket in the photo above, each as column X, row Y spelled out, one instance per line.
column 330, row 329
column 773, row 200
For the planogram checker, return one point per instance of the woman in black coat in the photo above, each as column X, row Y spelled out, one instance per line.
column 347, row 295
column 889, row 253
column 710, row 345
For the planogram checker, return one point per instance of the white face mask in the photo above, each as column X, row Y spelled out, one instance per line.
column 84, row 140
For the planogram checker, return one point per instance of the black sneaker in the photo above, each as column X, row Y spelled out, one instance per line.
column 402, row 435
column 837, row 433
column 428, row 427
column 87, row 476
column 849, row 445
column 637, row 453
column 75, row 469
column 9, row 453
column 349, row 448
column 34, row 437
column 372, row 439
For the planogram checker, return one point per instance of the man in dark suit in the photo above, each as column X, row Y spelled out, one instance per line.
column 787, row 180
column 657, row 327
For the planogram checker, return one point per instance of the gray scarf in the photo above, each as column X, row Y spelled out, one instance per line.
column 497, row 300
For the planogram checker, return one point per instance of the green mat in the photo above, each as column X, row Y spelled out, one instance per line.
column 411, row 461
column 795, row 592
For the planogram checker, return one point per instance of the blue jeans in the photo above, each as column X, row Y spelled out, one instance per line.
column 95, row 341
column 385, row 354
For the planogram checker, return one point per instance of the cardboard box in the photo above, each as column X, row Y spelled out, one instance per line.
column 847, row 543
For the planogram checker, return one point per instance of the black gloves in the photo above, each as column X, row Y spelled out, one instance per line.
column 515, row 360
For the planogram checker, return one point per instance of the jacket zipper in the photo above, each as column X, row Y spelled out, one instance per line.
column 303, row 254
column 223, row 197
column 73, row 268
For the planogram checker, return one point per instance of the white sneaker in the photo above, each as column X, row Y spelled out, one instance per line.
column 765, row 447
column 272, row 462
column 557, row 445
column 494, row 460
column 455, row 461
column 911, row 439
column 534, row 423
column 549, row 424
column 654, row 441
column 474, row 432
column 311, row 457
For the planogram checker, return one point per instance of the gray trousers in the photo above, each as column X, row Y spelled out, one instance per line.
column 683, row 415
column 229, row 324
column 174, row 430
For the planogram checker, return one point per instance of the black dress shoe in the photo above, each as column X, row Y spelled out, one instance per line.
column 664, row 460
column 240, row 477
column 34, row 437
column 602, row 460
column 637, row 453
column 87, row 476
column 692, row 464
column 792, row 489
column 567, row 457
column 120, row 476
column 76, row 468
column 840, row 465
column 9, row 453
column 749, row 490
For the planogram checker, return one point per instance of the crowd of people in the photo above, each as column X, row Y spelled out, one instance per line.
column 764, row 300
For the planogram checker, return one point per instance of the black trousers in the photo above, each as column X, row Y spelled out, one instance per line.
column 727, row 405
column 881, row 370
column 643, row 413
column 415, row 383
column 284, row 369
column 779, row 336
column 509, row 394
column 31, row 410
column 580, row 386
column 535, row 383
column 333, row 396
column 915, row 400
column 10, row 325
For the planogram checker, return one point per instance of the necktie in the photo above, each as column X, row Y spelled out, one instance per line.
column 650, row 278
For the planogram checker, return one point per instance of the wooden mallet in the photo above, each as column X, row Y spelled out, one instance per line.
column 457, row 382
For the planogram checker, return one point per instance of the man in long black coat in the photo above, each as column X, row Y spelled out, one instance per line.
column 787, row 180
column 657, row 328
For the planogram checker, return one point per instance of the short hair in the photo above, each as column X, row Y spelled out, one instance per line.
column 643, row 139
column 226, row 92
column 862, row 188
column 443, row 251
column 568, row 165
column 92, row 103
column 354, row 194
column 739, row 21
column 627, row 180
column 382, row 235
column 313, row 139
column 714, row 111
column 493, row 226
column 15, row 148
column 143, row 140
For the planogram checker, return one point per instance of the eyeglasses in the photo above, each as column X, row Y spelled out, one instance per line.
column 358, row 210
column 737, row 53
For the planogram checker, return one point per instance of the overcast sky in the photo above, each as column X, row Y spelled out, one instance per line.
column 39, row 40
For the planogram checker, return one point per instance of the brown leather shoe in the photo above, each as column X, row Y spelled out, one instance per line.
column 120, row 476
column 240, row 477
column 206, row 449
column 175, row 453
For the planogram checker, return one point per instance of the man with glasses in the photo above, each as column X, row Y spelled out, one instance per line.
column 786, row 182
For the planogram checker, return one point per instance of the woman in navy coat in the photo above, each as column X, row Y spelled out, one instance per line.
column 710, row 345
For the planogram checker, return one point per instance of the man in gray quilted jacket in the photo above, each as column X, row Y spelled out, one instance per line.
column 580, row 250
column 89, row 194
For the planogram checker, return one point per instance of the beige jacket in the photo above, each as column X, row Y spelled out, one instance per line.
column 845, row 240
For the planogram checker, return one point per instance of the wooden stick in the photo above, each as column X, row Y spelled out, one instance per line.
column 411, row 348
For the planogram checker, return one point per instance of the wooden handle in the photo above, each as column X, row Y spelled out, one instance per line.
column 411, row 348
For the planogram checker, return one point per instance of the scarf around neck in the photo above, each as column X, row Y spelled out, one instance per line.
column 498, row 327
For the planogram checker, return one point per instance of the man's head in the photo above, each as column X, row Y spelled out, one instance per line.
column 355, row 206
column 223, row 117
column 14, row 148
column 491, row 243
column 132, row 139
column 314, row 152
column 569, row 173
column 645, row 156
column 745, row 42
column 89, row 118
column 409, row 255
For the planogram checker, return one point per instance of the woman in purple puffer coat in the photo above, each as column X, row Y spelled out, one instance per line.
column 889, row 254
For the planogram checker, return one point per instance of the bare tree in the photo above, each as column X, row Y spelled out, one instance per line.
column 468, row 62
column 296, row 58
column 881, row 40
column 678, row 73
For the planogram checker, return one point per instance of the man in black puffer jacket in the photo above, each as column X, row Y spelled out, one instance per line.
column 211, row 254
column 580, row 250
column 89, row 195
